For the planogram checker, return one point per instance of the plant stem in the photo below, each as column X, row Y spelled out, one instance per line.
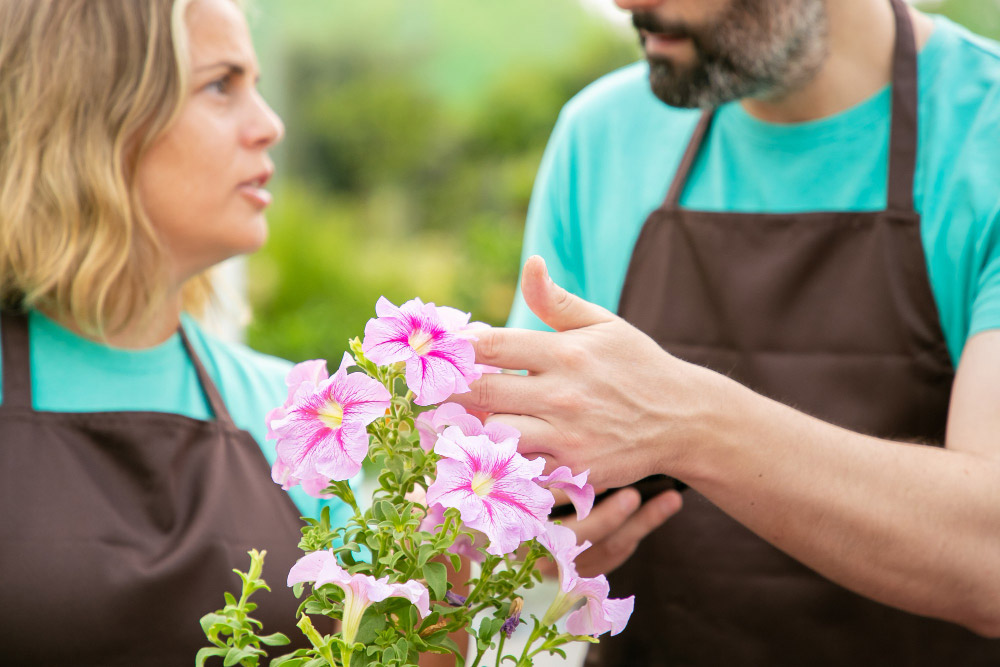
column 479, row 656
column 488, row 566
column 503, row 638
column 523, row 660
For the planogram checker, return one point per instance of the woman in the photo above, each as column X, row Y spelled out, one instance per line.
column 133, row 157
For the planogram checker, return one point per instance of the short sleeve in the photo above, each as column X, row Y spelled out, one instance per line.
column 986, row 300
column 550, row 230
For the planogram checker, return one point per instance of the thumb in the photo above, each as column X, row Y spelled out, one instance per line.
column 554, row 305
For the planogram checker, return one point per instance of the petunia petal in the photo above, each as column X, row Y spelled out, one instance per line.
column 579, row 492
column 309, row 566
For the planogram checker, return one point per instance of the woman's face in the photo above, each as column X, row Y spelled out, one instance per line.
column 202, row 182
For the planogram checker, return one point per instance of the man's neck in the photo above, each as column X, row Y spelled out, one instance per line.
column 859, row 63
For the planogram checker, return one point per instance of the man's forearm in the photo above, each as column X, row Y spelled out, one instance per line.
column 911, row 526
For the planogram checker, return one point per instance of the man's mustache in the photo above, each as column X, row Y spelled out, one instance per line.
column 650, row 23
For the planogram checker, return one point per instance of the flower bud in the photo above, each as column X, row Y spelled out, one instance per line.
column 454, row 599
column 514, row 617
column 431, row 629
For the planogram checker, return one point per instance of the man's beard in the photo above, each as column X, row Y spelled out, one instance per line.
column 757, row 48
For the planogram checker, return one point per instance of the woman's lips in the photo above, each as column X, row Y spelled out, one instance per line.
column 254, row 192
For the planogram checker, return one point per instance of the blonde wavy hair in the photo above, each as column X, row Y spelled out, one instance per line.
column 86, row 86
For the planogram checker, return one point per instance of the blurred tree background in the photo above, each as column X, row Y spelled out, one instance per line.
column 414, row 130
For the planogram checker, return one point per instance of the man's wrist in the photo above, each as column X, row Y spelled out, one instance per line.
column 703, row 438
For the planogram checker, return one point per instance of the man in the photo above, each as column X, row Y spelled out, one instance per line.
column 815, row 348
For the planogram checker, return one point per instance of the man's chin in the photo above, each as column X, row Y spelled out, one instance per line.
column 671, row 87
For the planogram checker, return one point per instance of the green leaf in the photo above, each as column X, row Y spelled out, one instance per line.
column 393, row 515
column 209, row 652
column 288, row 661
column 436, row 575
column 456, row 562
column 424, row 554
column 390, row 560
column 486, row 629
column 276, row 639
column 208, row 620
column 237, row 654
column 371, row 625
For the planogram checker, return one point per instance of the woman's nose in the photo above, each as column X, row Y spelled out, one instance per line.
column 265, row 128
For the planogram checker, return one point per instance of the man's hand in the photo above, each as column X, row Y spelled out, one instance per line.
column 615, row 527
column 599, row 393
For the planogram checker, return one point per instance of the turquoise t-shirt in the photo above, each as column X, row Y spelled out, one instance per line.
column 73, row 374
column 615, row 149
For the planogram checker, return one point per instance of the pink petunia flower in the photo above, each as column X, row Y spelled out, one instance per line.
column 360, row 590
column 491, row 485
column 323, row 435
column 314, row 486
column 561, row 543
column 598, row 614
column 457, row 322
column 576, row 488
column 438, row 362
column 312, row 372
column 431, row 424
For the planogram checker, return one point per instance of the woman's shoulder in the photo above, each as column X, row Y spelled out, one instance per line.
column 249, row 381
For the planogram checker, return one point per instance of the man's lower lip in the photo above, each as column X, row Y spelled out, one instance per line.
column 259, row 197
column 664, row 43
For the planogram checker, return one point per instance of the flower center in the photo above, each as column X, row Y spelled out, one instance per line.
column 420, row 341
column 331, row 414
column 482, row 484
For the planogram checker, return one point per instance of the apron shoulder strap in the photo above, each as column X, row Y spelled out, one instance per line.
column 16, row 361
column 212, row 394
column 673, row 199
column 905, row 102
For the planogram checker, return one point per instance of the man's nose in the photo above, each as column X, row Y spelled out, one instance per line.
column 638, row 5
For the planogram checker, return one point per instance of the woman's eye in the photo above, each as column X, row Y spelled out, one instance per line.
column 221, row 85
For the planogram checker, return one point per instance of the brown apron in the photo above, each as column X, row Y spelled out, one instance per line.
column 831, row 313
column 119, row 530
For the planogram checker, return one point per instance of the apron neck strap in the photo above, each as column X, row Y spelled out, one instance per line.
column 207, row 385
column 15, row 348
column 16, row 360
column 904, row 137
column 687, row 162
column 903, row 133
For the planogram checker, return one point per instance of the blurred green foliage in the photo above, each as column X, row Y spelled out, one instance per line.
column 414, row 130
column 982, row 16
column 399, row 179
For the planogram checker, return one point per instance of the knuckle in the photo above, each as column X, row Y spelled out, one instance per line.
column 562, row 399
column 490, row 347
column 562, row 301
column 569, row 354
column 482, row 393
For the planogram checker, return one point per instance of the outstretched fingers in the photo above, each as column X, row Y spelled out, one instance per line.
column 514, row 349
